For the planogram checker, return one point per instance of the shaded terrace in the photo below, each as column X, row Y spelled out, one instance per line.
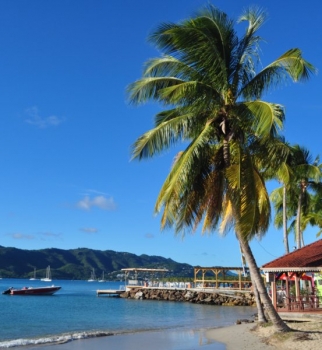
column 293, row 271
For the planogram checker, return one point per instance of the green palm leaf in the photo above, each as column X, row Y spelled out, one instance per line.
column 207, row 77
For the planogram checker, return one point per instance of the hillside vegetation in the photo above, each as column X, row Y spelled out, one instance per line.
column 78, row 263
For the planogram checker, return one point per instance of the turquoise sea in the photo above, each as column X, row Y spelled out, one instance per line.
column 75, row 312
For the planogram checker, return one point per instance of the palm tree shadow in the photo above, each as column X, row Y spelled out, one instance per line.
column 300, row 335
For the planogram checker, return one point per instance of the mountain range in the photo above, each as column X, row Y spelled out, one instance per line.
column 79, row 263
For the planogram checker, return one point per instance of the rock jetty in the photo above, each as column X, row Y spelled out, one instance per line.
column 192, row 296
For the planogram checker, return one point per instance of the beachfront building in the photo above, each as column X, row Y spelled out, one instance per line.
column 151, row 275
column 222, row 277
column 295, row 279
column 207, row 278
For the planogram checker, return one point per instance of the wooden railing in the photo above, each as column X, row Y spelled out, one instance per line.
column 302, row 303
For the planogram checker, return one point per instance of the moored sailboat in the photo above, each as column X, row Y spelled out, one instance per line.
column 34, row 277
column 102, row 279
column 48, row 275
column 93, row 277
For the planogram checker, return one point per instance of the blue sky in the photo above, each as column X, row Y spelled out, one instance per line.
column 66, row 128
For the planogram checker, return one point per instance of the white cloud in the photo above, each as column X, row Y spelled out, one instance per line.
column 45, row 235
column 21, row 236
column 100, row 202
column 34, row 118
column 89, row 230
column 41, row 235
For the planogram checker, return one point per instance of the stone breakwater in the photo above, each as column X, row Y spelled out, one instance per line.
column 192, row 296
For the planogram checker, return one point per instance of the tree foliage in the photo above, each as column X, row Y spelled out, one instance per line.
column 210, row 84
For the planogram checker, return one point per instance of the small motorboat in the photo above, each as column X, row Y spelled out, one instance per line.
column 32, row 290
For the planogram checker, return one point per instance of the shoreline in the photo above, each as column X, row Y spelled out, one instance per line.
column 245, row 336
column 163, row 339
column 306, row 333
column 232, row 337
column 240, row 337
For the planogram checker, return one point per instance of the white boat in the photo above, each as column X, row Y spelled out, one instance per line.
column 93, row 277
column 103, row 279
column 33, row 278
column 48, row 275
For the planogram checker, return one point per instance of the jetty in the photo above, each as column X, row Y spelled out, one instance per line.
column 219, row 283
column 110, row 292
column 129, row 284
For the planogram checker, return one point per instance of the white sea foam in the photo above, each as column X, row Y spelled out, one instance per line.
column 28, row 321
column 59, row 339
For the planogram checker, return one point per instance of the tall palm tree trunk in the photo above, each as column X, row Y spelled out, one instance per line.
column 264, row 300
column 298, row 220
column 261, row 318
column 226, row 152
column 278, row 323
column 285, row 235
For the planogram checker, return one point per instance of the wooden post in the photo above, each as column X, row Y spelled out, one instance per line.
column 297, row 286
column 298, row 291
column 239, row 273
column 287, row 292
column 274, row 296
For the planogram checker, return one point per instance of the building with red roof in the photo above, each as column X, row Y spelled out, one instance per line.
column 299, row 265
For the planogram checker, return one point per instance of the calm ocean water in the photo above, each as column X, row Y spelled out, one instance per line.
column 75, row 312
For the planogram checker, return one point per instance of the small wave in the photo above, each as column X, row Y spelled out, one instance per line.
column 57, row 339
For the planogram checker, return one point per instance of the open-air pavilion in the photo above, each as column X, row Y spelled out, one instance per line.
column 227, row 277
column 136, row 270
column 294, row 273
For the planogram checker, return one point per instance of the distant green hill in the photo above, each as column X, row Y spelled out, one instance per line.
column 78, row 263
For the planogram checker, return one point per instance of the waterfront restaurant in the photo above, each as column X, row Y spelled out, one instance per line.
column 134, row 281
column 222, row 277
column 293, row 279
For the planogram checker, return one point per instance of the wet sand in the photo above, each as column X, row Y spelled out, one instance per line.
column 154, row 340
column 306, row 334
column 237, row 337
column 226, row 338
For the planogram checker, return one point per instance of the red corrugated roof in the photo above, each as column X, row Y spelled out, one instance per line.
column 304, row 258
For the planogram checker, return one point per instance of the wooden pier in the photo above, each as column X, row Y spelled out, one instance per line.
column 110, row 292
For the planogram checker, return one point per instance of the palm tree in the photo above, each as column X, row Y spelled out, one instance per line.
column 284, row 210
column 311, row 214
column 280, row 195
column 303, row 181
column 207, row 82
column 308, row 175
column 314, row 215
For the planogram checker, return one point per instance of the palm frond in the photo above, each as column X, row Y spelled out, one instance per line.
column 290, row 65
column 149, row 88
column 182, row 170
column 208, row 80
column 161, row 137
column 267, row 117
column 168, row 66
column 246, row 55
column 228, row 218
column 255, row 16
column 309, row 171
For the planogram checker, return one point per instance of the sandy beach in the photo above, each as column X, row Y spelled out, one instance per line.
column 154, row 340
column 245, row 336
column 252, row 337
